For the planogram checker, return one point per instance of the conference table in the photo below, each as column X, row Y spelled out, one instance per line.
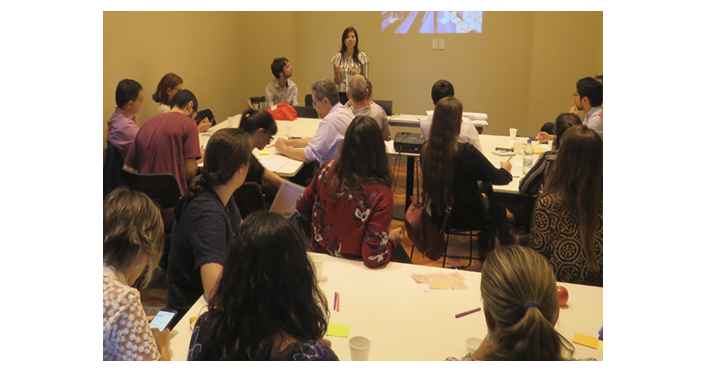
column 271, row 159
column 407, row 322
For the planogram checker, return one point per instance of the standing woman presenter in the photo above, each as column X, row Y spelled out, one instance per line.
column 348, row 62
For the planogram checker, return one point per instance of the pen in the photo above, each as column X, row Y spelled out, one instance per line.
column 269, row 146
column 467, row 312
column 509, row 158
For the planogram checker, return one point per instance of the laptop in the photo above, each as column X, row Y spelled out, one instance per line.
column 286, row 198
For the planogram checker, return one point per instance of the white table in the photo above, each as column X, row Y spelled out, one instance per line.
column 405, row 323
column 406, row 120
column 301, row 127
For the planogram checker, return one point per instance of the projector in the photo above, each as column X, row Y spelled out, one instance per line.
column 408, row 142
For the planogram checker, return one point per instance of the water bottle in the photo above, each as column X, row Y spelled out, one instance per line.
column 528, row 156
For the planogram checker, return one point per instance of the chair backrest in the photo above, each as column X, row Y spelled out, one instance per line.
column 111, row 169
column 386, row 104
column 256, row 102
column 161, row 188
column 206, row 113
column 306, row 112
column 249, row 198
column 309, row 100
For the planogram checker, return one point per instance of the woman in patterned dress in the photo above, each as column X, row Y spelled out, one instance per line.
column 348, row 62
column 349, row 201
column 133, row 237
column 267, row 305
column 567, row 226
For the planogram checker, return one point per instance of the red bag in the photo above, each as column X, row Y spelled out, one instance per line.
column 424, row 235
column 283, row 111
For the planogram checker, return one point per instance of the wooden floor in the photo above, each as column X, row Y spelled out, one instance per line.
column 154, row 296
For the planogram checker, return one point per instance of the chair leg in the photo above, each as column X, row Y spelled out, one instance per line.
column 448, row 236
column 413, row 247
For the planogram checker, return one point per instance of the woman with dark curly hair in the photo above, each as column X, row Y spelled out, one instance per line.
column 267, row 305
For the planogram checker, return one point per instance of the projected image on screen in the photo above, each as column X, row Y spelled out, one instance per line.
column 428, row 22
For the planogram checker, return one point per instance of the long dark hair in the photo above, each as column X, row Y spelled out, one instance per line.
column 228, row 150
column 514, row 276
column 169, row 81
column 576, row 178
column 362, row 158
column 253, row 119
column 355, row 48
column 437, row 154
column 267, row 293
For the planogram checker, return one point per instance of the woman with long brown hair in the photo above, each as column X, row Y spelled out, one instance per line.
column 451, row 170
column 567, row 225
column 349, row 201
column 168, row 86
column 348, row 62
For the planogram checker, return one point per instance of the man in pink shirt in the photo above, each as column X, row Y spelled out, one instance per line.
column 121, row 126
column 169, row 143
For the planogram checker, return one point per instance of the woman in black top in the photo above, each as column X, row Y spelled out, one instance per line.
column 260, row 127
column 452, row 170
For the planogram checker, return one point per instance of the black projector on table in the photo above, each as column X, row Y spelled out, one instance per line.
column 408, row 142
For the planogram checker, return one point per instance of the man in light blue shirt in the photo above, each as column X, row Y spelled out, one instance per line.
column 589, row 98
column 325, row 144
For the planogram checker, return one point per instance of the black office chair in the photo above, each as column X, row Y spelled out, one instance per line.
column 306, row 112
column 485, row 229
column 256, row 102
column 206, row 113
column 111, row 169
column 387, row 106
column 249, row 198
column 163, row 190
column 309, row 100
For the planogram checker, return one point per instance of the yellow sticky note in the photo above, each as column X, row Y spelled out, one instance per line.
column 437, row 281
column 585, row 340
column 600, row 344
column 338, row 330
column 420, row 278
column 263, row 152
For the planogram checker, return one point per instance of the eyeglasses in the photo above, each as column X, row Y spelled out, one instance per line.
column 317, row 101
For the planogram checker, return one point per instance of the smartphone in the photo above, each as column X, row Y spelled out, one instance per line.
column 162, row 319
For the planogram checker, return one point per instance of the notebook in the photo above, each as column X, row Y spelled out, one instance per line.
column 286, row 198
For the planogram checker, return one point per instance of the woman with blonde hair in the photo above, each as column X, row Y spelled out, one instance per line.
column 520, row 303
column 133, row 237
column 567, row 225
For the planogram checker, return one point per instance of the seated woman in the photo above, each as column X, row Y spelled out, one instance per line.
column 260, row 127
column 206, row 219
column 168, row 86
column 349, row 201
column 532, row 182
column 133, row 240
column 451, row 170
column 520, row 320
column 567, row 225
column 268, row 305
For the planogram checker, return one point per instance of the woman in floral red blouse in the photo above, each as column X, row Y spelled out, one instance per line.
column 350, row 203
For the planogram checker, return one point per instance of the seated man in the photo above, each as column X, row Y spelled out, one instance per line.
column 469, row 134
column 282, row 89
column 358, row 96
column 326, row 142
column 169, row 143
column 121, row 125
column 589, row 99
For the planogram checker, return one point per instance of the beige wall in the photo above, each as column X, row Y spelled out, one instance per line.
column 521, row 70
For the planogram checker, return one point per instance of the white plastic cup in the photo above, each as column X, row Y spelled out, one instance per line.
column 550, row 144
column 472, row 344
column 514, row 132
column 518, row 146
column 360, row 347
column 317, row 261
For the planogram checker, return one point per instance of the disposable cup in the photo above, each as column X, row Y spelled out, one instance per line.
column 550, row 144
column 317, row 262
column 472, row 344
column 518, row 146
column 360, row 347
column 514, row 132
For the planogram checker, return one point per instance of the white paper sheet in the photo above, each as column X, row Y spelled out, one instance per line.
column 272, row 165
